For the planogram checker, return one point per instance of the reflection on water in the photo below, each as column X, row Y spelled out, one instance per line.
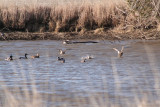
column 112, row 80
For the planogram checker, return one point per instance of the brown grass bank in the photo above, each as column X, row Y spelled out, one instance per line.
column 99, row 18
column 109, row 35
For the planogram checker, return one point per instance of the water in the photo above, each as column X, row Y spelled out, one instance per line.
column 104, row 80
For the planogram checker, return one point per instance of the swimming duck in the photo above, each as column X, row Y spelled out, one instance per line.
column 67, row 42
column 9, row 58
column 61, row 60
column 36, row 56
column 61, row 51
column 25, row 56
column 83, row 59
column 120, row 53
column 89, row 57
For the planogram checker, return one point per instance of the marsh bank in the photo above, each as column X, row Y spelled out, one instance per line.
column 149, row 35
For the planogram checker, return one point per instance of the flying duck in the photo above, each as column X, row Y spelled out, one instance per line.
column 120, row 53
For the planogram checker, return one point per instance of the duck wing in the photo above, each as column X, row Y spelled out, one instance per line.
column 122, row 49
column 116, row 50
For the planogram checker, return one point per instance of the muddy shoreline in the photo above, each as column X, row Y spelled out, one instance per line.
column 149, row 35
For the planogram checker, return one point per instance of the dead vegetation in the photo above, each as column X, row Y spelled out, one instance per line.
column 116, row 16
column 63, row 18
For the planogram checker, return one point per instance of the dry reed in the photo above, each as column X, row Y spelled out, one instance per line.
column 63, row 17
column 117, row 16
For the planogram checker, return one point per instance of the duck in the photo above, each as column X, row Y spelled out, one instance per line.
column 67, row 42
column 120, row 52
column 89, row 57
column 61, row 59
column 9, row 58
column 83, row 59
column 36, row 56
column 61, row 52
column 25, row 56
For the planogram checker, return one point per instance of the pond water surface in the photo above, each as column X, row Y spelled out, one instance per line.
column 105, row 80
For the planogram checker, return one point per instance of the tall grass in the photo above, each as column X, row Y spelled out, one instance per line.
column 140, row 17
column 148, row 12
column 62, row 16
